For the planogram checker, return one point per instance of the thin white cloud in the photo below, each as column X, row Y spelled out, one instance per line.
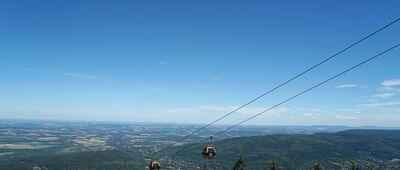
column 355, row 111
column 394, row 82
column 152, row 88
column 347, row 110
column 384, row 95
column 347, row 86
column 82, row 75
column 201, row 86
column 388, row 89
column 247, row 110
column 315, row 110
column 215, row 108
column 161, row 62
column 182, row 110
column 311, row 115
column 346, row 117
column 216, row 78
column 381, row 104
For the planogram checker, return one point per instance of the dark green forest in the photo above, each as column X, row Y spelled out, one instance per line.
column 332, row 150
column 99, row 160
column 360, row 149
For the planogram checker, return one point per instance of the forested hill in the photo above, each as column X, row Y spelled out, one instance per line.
column 95, row 160
column 332, row 150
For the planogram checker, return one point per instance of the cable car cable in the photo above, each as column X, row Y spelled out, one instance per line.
column 280, row 85
column 299, row 94
column 309, row 89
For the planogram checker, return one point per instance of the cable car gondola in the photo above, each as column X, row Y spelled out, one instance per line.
column 154, row 165
column 209, row 152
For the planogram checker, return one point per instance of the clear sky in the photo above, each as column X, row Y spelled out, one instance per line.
column 193, row 61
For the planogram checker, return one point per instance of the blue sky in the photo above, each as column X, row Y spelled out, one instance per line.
column 193, row 61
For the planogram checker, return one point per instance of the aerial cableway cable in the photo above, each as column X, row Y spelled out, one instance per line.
column 301, row 93
column 307, row 90
column 278, row 86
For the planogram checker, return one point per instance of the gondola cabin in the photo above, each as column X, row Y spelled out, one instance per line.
column 209, row 152
column 154, row 165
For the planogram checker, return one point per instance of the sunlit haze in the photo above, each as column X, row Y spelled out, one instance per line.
column 194, row 61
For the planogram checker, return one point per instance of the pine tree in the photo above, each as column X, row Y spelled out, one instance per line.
column 371, row 166
column 205, row 167
column 274, row 166
column 318, row 167
column 354, row 166
column 240, row 164
column 36, row 168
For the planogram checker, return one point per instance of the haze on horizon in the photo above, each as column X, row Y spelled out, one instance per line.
column 191, row 62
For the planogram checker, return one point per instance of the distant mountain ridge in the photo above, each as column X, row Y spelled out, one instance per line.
column 332, row 150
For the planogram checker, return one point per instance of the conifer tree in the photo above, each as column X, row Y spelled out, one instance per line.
column 318, row 167
column 36, row 168
column 205, row 167
column 274, row 166
column 240, row 164
column 371, row 166
column 354, row 166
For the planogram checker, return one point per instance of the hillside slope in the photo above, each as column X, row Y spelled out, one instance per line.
column 95, row 160
column 332, row 150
